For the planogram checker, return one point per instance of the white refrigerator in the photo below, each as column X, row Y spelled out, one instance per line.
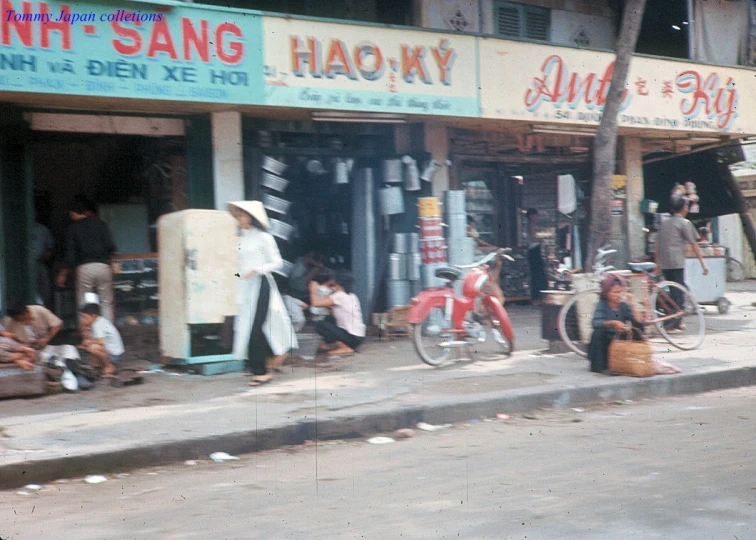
column 197, row 278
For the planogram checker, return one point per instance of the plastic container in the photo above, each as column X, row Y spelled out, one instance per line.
column 429, row 207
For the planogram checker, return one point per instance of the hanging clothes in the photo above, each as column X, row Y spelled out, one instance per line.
column 567, row 199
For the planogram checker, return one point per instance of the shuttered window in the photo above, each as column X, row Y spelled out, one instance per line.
column 521, row 21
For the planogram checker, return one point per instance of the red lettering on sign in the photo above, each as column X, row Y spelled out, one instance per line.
column 161, row 41
column 200, row 43
column 557, row 85
column 133, row 46
column 23, row 29
column 51, row 26
column 236, row 47
column 708, row 96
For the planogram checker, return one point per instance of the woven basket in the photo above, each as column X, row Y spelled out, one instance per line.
column 631, row 358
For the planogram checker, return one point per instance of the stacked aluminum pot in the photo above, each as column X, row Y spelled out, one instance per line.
column 432, row 242
column 461, row 246
column 398, row 289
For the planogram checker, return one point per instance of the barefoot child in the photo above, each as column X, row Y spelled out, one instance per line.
column 102, row 341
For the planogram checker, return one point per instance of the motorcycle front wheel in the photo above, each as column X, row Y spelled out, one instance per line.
column 429, row 336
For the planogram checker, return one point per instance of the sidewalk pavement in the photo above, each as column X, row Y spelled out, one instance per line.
column 176, row 417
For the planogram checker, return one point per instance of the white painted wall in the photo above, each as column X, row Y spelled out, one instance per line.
column 228, row 166
column 582, row 30
column 456, row 15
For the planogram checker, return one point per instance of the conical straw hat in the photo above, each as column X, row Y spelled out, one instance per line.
column 254, row 209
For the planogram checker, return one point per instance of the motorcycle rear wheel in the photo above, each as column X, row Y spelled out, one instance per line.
column 427, row 336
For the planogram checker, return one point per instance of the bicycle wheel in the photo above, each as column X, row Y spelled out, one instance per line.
column 683, row 326
column 735, row 270
column 575, row 321
column 429, row 336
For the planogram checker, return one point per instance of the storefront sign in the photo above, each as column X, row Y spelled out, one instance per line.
column 522, row 81
column 345, row 67
column 115, row 50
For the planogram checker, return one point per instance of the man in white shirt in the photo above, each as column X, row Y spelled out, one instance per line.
column 349, row 330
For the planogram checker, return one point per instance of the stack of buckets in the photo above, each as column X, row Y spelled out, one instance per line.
column 404, row 269
column 461, row 246
column 432, row 242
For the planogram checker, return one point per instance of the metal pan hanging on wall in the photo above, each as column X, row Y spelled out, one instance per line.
column 279, row 229
column 273, row 165
column 275, row 204
column 392, row 201
column 411, row 175
column 392, row 171
column 274, row 182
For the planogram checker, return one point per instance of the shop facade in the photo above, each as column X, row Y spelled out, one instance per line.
column 181, row 111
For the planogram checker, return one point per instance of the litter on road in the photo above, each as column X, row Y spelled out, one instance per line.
column 380, row 440
column 219, row 457
column 431, row 427
column 95, row 479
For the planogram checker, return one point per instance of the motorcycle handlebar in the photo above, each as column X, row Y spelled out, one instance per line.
column 488, row 258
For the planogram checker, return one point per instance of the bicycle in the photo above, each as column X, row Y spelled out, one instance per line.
column 659, row 311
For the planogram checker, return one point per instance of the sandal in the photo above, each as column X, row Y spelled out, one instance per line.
column 259, row 382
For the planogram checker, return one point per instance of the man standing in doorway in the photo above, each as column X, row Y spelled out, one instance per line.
column 89, row 246
column 675, row 234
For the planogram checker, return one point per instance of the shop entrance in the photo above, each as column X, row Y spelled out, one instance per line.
column 130, row 180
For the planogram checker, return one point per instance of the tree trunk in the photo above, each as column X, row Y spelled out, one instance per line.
column 605, row 145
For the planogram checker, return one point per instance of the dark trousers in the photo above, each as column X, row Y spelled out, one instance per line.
column 259, row 349
column 538, row 280
column 678, row 276
column 332, row 333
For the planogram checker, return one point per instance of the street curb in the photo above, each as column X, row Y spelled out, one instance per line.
column 343, row 425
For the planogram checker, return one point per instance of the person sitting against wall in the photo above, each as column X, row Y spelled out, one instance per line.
column 33, row 326
column 343, row 337
column 324, row 280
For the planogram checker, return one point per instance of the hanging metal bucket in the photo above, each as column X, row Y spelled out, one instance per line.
column 341, row 174
column 273, row 165
column 398, row 292
column 454, row 201
column 274, row 182
column 430, row 171
column 285, row 271
column 392, row 171
column 275, row 204
column 280, row 229
column 397, row 266
column 412, row 176
column 392, row 201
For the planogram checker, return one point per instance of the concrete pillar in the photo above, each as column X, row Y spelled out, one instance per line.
column 632, row 167
column 437, row 143
column 228, row 165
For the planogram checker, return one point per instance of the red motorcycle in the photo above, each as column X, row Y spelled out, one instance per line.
column 442, row 321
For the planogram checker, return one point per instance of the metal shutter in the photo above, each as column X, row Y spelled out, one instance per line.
column 537, row 23
column 508, row 21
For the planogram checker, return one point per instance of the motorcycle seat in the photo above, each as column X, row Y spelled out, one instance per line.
column 642, row 267
column 448, row 273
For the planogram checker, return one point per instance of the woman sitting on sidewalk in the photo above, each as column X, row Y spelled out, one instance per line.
column 349, row 331
column 612, row 315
